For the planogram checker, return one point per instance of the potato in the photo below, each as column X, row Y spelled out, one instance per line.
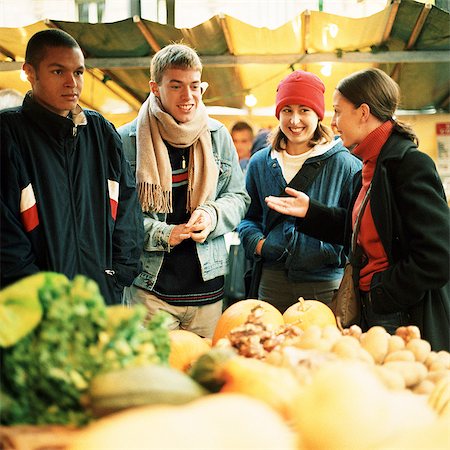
column 412, row 371
column 425, row 387
column 347, row 347
column 420, row 348
column 376, row 342
column 400, row 355
column 390, row 378
column 444, row 358
column 395, row 343
column 436, row 375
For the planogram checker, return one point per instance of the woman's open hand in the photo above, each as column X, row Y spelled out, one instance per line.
column 296, row 205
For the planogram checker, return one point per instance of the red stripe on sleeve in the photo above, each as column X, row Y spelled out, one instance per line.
column 113, row 205
column 30, row 218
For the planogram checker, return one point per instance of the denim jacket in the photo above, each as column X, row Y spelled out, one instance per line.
column 226, row 210
column 304, row 258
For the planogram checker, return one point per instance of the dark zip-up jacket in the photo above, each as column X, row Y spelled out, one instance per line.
column 68, row 199
column 411, row 216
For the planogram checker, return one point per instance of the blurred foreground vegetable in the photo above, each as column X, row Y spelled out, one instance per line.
column 45, row 374
column 20, row 310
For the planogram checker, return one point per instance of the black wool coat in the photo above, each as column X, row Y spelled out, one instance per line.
column 411, row 216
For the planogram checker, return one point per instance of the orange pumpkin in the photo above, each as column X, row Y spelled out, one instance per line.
column 237, row 314
column 185, row 348
column 305, row 313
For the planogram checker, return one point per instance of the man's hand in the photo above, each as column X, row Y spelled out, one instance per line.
column 199, row 225
column 197, row 228
column 179, row 234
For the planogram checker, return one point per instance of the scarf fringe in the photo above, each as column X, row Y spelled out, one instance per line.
column 153, row 198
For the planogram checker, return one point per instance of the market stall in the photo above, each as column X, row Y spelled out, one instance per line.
column 79, row 375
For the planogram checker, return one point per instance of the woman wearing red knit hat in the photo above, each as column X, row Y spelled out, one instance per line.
column 404, row 230
column 293, row 264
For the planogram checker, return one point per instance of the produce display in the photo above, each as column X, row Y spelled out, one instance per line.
column 305, row 313
column 141, row 385
column 216, row 421
column 46, row 374
column 296, row 381
column 237, row 313
column 186, row 347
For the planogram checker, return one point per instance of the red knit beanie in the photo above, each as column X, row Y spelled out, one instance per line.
column 301, row 88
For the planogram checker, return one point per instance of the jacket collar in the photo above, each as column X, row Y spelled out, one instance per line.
column 396, row 147
column 336, row 147
column 58, row 126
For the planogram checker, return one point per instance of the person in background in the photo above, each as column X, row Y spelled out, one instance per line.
column 242, row 135
column 238, row 264
column 10, row 98
column 296, row 265
column 404, row 232
column 191, row 190
column 261, row 140
column 68, row 196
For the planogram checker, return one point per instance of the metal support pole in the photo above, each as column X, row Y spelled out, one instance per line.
column 135, row 8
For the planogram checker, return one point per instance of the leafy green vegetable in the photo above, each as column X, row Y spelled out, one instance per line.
column 46, row 374
column 20, row 311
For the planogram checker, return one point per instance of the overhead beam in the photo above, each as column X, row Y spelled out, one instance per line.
column 7, row 53
column 104, row 70
column 226, row 33
column 391, row 19
column 419, row 25
column 128, row 90
column 148, row 35
column 445, row 102
column 412, row 56
column 415, row 33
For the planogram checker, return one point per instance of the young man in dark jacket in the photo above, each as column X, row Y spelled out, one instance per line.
column 68, row 199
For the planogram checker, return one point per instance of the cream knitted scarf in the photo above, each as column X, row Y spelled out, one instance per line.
column 153, row 169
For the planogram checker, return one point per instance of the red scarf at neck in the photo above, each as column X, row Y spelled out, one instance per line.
column 368, row 150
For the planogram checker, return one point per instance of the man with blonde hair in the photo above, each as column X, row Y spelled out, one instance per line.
column 191, row 190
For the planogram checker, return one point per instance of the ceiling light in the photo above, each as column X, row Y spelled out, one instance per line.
column 250, row 100
column 326, row 69
column 333, row 29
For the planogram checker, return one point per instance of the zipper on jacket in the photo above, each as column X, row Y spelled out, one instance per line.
column 72, row 206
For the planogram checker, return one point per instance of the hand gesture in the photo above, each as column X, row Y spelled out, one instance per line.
column 297, row 205
column 179, row 234
column 199, row 225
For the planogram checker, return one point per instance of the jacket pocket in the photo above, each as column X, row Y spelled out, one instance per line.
column 278, row 243
column 311, row 255
column 114, row 288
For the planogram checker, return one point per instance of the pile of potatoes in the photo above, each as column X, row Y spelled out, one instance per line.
column 402, row 360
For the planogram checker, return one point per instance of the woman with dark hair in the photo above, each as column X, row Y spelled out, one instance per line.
column 404, row 229
column 294, row 264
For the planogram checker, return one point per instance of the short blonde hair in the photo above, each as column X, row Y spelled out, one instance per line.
column 179, row 56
